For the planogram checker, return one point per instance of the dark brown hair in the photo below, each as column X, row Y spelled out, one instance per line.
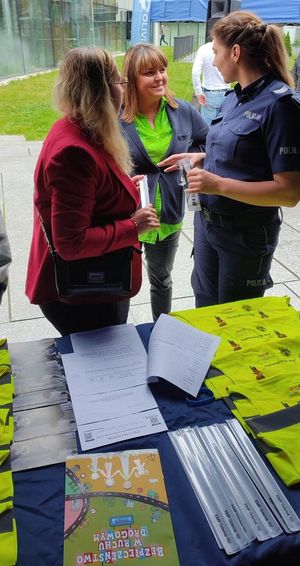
column 262, row 43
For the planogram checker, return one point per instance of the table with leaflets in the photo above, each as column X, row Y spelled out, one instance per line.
column 39, row 494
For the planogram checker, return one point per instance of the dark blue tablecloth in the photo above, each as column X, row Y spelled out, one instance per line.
column 39, row 496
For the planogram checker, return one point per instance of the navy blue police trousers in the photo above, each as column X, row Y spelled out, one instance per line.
column 231, row 262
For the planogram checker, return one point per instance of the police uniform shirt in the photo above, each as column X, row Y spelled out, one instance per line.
column 255, row 135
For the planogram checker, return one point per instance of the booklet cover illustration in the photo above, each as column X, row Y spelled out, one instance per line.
column 116, row 510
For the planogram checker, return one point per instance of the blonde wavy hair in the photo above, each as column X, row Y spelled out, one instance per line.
column 262, row 43
column 138, row 58
column 82, row 93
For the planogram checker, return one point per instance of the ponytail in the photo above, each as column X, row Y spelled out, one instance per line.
column 262, row 43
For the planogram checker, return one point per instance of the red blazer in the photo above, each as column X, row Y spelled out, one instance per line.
column 86, row 201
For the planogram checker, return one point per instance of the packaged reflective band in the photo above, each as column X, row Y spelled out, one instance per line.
column 192, row 199
column 238, row 495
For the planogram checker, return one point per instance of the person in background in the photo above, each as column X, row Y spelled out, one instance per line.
column 5, row 257
column 251, row 166
column 208, row 83
column 155, row 125
column 296, row 73
column 162, row 35
column 83, row 193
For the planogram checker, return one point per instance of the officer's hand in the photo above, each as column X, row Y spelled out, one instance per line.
column 202, row 99
column 171, row 163
column 201, row 181
column 145, row 219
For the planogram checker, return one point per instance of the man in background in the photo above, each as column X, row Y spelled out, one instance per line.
column 162, row 35
column 208, row 83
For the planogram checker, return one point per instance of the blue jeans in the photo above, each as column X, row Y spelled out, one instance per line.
column 214, row 99
column 231, row 265
column 160, row 260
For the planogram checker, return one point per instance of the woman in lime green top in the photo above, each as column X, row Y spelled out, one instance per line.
column 157, row 125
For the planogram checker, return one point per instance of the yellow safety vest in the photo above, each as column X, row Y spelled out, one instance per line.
column 259, row 357
column 8, row 533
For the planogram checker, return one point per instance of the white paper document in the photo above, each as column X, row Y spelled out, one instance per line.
column 123, row 428
column 104, row 406
column 94, row 374
column 105, row 360
column 180, row 353
column 120, row 340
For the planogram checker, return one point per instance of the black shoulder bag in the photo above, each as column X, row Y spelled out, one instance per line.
column 109, row 273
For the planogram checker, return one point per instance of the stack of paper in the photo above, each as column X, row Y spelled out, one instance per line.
column 108, row 371
column 106, row 377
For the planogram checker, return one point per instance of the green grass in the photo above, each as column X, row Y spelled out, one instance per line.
column 26, row 105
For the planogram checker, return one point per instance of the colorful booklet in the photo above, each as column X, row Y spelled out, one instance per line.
column 116, row 510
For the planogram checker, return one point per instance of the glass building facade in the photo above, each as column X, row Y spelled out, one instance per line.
column 36, row 34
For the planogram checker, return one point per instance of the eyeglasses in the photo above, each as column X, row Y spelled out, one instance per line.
column 122, row 81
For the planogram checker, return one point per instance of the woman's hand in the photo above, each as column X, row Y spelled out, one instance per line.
column 201, row 181
column 136, row 180
column 145, row 219
column 172, row 162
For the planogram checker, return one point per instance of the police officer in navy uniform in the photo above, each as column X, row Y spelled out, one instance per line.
column 251, row 166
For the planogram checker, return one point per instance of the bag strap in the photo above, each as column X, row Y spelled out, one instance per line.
column 48, row 237
column 51, row 246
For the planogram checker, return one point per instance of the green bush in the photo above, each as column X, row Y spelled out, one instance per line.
column 288, row 44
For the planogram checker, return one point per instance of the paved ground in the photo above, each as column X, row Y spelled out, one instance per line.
column 21, row 321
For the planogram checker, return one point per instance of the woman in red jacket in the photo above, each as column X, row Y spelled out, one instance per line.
column 83, row 192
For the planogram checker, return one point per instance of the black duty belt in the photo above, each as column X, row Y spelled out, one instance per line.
column 220, row 220
column 232, row 222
